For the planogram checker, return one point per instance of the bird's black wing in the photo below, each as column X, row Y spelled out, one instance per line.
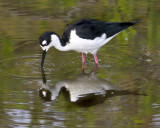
column 114, row 28
column 86, row 29
column 90, row 29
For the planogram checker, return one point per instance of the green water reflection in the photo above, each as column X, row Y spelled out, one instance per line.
column 130, row 62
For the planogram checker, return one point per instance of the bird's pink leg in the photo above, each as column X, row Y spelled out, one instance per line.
column 95, row 58
column 83, row 58
column 83, row 61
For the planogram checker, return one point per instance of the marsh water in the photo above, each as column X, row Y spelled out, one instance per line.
column 124, row 92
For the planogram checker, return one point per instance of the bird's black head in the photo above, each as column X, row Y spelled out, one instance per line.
column 45, row 38
column 45, row 42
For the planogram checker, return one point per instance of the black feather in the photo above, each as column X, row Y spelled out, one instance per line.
column 90, row 29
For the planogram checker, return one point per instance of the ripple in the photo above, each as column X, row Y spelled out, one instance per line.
column 156, row 120
column 19, row 115
column 21, row 67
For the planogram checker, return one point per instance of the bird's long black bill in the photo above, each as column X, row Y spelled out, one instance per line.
column 43, row 57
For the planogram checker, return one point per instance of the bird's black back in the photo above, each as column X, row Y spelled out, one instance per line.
column 90, row 29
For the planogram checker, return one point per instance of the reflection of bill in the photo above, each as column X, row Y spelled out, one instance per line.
column 84, row 89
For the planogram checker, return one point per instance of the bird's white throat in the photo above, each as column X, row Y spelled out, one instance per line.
column 55, row 41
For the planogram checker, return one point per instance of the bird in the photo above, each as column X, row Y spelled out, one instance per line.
column 85, row 36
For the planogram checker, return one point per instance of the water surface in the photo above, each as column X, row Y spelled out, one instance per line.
column 124, row 92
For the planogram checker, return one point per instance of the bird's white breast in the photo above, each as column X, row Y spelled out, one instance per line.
column 86, row 45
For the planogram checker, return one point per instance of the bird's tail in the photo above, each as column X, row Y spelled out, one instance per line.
column 134, row 22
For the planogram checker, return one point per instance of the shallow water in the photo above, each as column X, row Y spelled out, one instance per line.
column 124, row 92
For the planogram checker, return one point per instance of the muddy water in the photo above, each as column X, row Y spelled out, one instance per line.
column 124, row 92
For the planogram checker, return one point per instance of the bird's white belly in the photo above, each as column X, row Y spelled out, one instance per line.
column 86, row 45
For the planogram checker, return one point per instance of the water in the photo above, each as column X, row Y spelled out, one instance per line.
column 124, row 92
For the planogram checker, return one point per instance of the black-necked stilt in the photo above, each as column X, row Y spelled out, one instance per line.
column 85, row 36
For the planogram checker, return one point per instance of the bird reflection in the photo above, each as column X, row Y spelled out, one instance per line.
column 85, row 89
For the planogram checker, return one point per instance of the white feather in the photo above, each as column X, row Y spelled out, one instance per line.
column 44, row 42
column 86, row 45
